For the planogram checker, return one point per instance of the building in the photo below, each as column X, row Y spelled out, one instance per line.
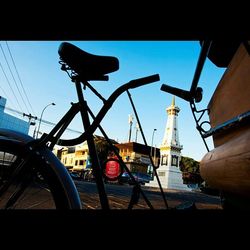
column 169, row 172
column 8, row 121
column 74, row 158
column 136, row 156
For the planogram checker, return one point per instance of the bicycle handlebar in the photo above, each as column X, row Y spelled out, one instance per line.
column 143, row 81
column 107, row 105
column 177, row 92
column 186, row 95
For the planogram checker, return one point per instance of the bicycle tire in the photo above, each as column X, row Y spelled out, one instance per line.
column 50, row 186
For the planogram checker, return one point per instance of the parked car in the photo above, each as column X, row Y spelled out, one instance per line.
column 124, row 178
column 75, row 175
column 142, row 178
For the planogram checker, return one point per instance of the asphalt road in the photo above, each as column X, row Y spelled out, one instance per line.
column 119, row 197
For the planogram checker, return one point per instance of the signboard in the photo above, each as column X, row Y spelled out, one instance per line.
column 145, row 160
column 112, row 169
column 88, row 163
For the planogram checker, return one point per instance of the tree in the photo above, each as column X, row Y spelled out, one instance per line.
column 102, row 147
column 190, row 170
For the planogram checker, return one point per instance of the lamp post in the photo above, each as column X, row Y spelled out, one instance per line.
column 130, row 121
column 136, row 131
column 151, row 171
column 152, row 141
column 42, row 116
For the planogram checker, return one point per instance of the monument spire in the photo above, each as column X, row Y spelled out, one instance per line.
column 173, row 101
column 170, row 150
column 171, row 134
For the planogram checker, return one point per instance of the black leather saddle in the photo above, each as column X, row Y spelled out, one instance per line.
column 86, row 65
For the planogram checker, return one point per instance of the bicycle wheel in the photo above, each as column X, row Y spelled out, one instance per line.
column 43, row 182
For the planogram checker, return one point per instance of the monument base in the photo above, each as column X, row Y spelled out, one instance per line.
column 169, row 178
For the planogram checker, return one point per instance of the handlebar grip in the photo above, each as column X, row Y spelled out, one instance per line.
column 144, row 80
column 176, row 91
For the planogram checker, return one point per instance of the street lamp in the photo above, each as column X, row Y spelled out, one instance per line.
column 152, row 141
column 130, row 121
column 151, row 171
column 136, row 131
column 42, row 116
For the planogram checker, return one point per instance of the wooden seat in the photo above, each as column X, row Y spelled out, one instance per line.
column 227, row 166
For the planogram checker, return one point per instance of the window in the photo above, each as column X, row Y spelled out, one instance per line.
column 175, row 160
column 164, row 160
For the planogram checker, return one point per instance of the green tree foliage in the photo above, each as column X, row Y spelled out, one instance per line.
column 190, row 170
column 102, row 147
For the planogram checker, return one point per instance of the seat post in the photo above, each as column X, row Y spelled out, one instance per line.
column 96, row 166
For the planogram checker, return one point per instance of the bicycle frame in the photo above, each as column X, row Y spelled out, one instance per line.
column 81, row 107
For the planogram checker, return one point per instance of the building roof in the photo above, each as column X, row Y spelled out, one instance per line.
column 138, row 148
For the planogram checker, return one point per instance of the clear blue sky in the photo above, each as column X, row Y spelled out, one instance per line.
column 175, row 62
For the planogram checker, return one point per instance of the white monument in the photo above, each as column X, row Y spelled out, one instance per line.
column 169, row 172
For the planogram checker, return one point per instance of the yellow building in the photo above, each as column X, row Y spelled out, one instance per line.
column 136, row 156
column 75, row 158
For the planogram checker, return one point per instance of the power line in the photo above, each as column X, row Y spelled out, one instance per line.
column 13, row 77
column 6, row 95
column 53, row 124
column 19, row 77
column 43, row 121
column 10, row 86
column 12, row 110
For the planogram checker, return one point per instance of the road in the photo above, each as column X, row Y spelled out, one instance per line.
column 119, row 197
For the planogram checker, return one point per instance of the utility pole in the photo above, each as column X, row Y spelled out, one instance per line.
column 32, row 123
column 136, row 131
column 130, row 121
column 30, row 117
column 34, row 133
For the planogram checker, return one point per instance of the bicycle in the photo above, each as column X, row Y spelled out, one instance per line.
column 28, row 165
column 20, row 152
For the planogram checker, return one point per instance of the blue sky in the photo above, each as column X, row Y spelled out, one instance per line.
column 175, row 62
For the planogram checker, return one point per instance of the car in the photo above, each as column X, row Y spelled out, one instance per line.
column 124, row 178
column 75, row 175
column 142, row 178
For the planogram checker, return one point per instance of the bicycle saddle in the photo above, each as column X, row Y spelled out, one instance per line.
column 86, row 65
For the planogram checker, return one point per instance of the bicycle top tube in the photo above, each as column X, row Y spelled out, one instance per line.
column 107, row 105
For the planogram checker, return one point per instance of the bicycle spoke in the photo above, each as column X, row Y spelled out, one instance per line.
column 22, row 185
column 14, row 197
